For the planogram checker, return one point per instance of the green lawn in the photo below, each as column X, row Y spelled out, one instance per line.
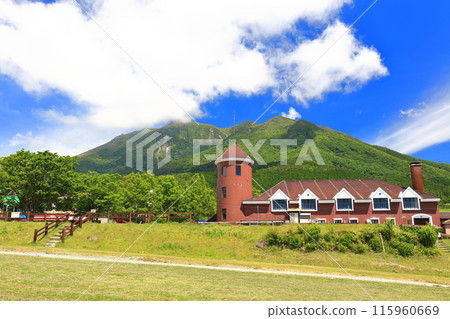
column 37, row 278
column 224, row 244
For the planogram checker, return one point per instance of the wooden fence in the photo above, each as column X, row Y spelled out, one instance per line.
column 142, row 217
column 49, row 226
column 74, row 224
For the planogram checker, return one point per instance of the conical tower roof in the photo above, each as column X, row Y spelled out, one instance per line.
column 234, row 154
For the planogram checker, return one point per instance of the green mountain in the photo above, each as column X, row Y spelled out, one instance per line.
column 344, row 155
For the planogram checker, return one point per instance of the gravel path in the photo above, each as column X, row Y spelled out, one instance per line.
column 263, row 271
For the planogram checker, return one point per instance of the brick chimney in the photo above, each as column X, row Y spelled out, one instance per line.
column 416, row 176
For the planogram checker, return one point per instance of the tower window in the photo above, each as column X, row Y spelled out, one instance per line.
column 224, row 192
column 224, row 213
column 238, row 170
column 224, row 171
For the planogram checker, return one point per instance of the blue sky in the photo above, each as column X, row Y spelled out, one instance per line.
column 66, row 86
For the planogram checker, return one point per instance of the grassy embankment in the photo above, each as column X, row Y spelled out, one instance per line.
column 227, row 245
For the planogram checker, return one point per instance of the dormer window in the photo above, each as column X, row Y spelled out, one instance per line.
column 410, row 199
column 344, row 200
column 279, row 201
column 308, row 201
column 279, row 205
column 380, row 200
column 410, row 203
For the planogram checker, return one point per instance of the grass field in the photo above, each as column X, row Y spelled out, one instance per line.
column 34, row 278
column 226, row 245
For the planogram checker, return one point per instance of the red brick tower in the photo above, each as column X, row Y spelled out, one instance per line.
column 234, row 183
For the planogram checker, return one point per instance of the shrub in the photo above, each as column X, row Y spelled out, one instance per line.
column 387, row 230
column 361, row 248
column 407, row 237
column 329, row 237
column 347, row 238
column 310, row 247
column 405, row 249
column 292, row 241
column 341, row 248
column 273, row 239
column 312, row 233
column 366, row 235
column 429, row 251
column 427, row 235
column 375, row 245
column 394, row 243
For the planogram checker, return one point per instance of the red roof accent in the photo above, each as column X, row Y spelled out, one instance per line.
column 234, row 152
column 327, row 189
column 263, row 217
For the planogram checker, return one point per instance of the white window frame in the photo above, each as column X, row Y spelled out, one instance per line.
column 391, row 218
column 380, row 193
column 308, row 194
column 375, row 218
column 321, row 221
column 410, row 193
column 335, row 219
column 279, row 195
column 350, row 219
column 344, row 194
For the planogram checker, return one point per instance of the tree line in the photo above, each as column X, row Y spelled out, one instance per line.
column 45, row 180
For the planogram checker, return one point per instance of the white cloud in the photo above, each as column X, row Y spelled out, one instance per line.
column 414, row 111
column 193, row 49
column 292, row 114
column 346, row 66
column 28, row 139
column 416, row 133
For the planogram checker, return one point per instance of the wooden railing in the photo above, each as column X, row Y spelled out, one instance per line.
column 49, row 226
column 74, row 224
column 170, row 215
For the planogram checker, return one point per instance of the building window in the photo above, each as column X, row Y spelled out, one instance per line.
column 224, row 192
column 344, row 204
column 321, row 220
column 410, row 203
column 380, row 203
column 353, row 221
column 224, row 171
column 238, row 170
column 308, row 204
column 375, row 221
column 279, row 205
column 337, row 221
column 224, row 213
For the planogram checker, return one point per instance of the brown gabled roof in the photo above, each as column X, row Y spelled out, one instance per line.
column 447, row 222
column 234, row 153
column 327, row 189
column 444, row 215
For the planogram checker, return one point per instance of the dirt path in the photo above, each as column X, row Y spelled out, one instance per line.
column 264, row 271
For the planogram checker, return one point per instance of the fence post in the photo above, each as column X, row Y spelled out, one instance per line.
column 168, row 217
column 46, row 228
column 35, row 236
column 129, row 218
column 71, row 228
column 6, row 216
column 28, row 216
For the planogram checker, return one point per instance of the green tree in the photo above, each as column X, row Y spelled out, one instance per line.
column 199, row 198
column 38, row 178
column 135, row 191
